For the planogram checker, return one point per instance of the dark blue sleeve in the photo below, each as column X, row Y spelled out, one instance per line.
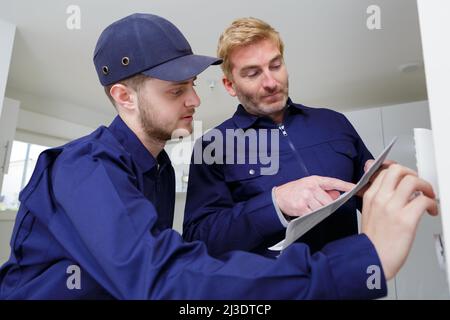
column 362, row 155
column 106, row 225
column 211, row 215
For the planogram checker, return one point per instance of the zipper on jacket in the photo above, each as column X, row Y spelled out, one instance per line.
column 291, row 145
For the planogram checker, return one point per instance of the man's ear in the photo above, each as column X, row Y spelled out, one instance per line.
column 124, row 96
column 228, row 84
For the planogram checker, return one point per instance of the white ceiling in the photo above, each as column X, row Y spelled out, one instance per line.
column 333, row 59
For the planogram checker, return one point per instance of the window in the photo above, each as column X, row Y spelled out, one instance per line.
column 21, row 166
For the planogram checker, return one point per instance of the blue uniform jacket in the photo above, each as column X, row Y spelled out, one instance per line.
column 229, row 206
column 105, row 205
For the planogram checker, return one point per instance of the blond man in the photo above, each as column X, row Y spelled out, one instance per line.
column 234, row 205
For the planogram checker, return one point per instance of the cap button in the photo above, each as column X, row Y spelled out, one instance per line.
column 125, row 61
column 251, row 171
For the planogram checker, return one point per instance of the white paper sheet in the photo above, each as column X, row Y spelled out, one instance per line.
column 299, row 226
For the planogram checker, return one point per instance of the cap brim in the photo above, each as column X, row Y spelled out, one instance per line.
column 183, row 68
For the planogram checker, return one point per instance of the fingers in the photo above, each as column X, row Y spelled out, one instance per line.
column 384, row 165
column 313, row 204
column 420, row 204
column 372, row 191
column 368, row 164
column 397, row 185
column 333, row 194
column 409, row 185
column 323, row 197
column 327, row 183
column 394, row 174
column 387, row 163
column 385, row 184
column 423, row 202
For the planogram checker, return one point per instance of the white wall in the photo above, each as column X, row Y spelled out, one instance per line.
column 8, row 120
column 61, row 109
column 44, row 130
column 7, row 32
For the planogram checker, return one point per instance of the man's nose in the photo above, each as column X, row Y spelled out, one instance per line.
column 193, row 100
column 269, row 81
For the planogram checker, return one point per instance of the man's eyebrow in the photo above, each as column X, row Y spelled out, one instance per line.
column 249, row 68
column 278, row 57
column 183, row 82
column 246, row 68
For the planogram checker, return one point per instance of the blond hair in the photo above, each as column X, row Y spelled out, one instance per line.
column 243, row 32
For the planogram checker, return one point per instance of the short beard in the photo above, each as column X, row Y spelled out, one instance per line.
column 148, row 123
column 248, row 101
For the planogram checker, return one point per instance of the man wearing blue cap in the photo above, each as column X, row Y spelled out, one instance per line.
column 95, row 219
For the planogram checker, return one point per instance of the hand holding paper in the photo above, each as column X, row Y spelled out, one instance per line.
column 301, row 225
column 392, row 208
column 303, row 196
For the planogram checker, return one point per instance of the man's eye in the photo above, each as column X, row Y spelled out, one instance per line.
column 276, row 66
column 252, row 74
column 176, row 92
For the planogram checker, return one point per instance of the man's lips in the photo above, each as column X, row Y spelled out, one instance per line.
column 272, row 96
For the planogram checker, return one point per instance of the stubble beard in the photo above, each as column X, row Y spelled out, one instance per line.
column 250, row 103
column 149, row 124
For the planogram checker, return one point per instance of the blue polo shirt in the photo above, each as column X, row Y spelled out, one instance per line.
column 103, row 205
column 229, row 205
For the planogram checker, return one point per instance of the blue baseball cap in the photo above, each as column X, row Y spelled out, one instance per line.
column 147, row 44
